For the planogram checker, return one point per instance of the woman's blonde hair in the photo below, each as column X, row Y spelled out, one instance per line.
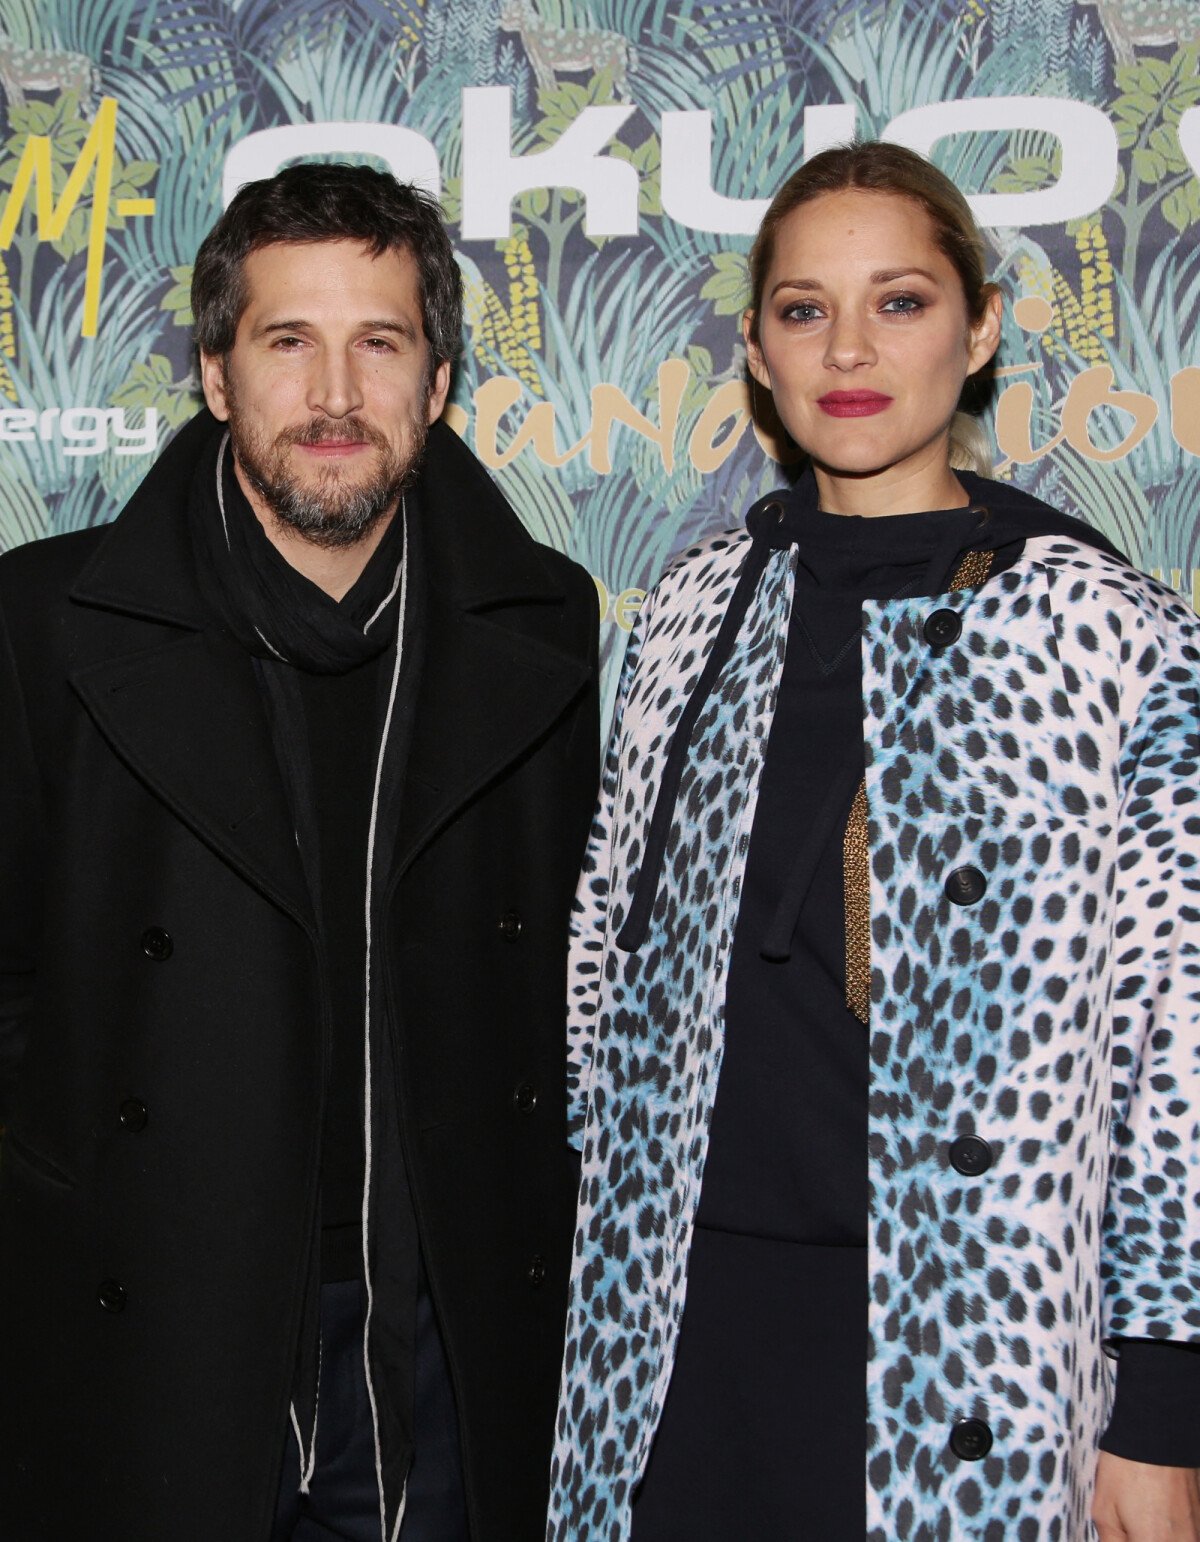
column 875, row 167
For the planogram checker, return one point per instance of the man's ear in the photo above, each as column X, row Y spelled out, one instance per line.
column 212, row 378
column 438, row 391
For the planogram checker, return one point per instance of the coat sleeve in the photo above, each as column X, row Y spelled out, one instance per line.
column 589, row 914
column 20, row 870
column 1150, row 1261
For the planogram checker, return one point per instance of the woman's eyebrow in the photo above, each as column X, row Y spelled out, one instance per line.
column 890, row 275
column 881, row 276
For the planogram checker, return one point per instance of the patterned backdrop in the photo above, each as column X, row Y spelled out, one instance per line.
column 602, row 166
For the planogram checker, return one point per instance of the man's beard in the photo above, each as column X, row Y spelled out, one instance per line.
column 332, row 512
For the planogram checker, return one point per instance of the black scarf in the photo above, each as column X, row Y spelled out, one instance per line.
column 288, row 624
column 272, row 609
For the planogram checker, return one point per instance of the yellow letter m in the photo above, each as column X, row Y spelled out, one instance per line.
column 35, row 171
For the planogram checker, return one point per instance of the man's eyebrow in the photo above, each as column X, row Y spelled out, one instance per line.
column 265, row 328
column 403, row 329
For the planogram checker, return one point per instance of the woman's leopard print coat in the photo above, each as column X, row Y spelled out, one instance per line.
column 1054, row 748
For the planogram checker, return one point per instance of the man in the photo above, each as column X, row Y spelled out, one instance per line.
column 296, row 763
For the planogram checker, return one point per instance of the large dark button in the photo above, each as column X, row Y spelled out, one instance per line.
column 965, row 886
column 970, row 1155
column 111, row 1295
column 525, row 1098
column 536, row 1273
column 157, row 944
column 942, row 628
column 133, row 1114
column 510, row 926
column 971, row 1439
column 774, row 510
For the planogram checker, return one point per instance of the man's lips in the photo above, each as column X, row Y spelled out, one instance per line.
column 853, row 404
column 334, row 449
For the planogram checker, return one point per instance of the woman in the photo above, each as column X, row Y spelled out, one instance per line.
column 887, row 970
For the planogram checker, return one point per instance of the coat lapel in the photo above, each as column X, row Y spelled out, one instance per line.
column 176, row 699
column 486, row 695
column 188, row 719
column 490, row 687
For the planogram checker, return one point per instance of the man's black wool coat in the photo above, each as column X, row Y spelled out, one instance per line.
column 162, row 1034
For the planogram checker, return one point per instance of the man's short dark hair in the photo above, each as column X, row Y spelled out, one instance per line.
column 320, row 201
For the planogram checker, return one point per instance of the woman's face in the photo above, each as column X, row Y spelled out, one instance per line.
column 864, row 338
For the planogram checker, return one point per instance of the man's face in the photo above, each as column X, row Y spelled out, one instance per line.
column 326, row 389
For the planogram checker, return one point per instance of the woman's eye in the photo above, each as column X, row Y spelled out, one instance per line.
column 903, row 305
column 802, row 311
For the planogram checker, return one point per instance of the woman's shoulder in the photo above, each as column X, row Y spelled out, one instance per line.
column 1087, row 568
column 702, row 570
column 724, row 547
column 1085, row 574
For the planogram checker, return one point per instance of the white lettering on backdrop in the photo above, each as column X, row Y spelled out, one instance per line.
column 493, row 176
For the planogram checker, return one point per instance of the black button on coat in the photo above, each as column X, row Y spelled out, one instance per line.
column 971, row 1156
column 971, row 1439
column 111, row 1296
column 157, row 944
column 942, row 628
column 139, row 794
column 133, row 1115
column 965, row 886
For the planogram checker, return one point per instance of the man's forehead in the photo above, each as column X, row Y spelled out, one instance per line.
column 330, row 266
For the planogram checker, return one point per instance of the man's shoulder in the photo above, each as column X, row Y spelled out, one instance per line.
column 573, row 576
column 477, row 542
column 46, row 568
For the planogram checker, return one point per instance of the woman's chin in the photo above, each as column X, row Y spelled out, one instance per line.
column 861, row 466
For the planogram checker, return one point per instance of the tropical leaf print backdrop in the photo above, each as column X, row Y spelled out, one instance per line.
column 603, row 376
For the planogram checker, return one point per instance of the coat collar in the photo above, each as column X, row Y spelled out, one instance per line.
column 183, row 709
column 479, row 555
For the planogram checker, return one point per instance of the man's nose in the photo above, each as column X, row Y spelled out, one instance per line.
column 334, row 387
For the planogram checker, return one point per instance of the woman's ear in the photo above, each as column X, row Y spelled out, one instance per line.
column 754, row 358
column 985, row 333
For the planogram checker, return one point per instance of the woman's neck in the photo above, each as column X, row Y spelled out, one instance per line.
column 908, row 489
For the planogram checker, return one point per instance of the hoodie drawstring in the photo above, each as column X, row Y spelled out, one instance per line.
column 637, row 919
column 840, row 797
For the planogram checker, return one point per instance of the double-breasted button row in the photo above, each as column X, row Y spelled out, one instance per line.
column 157, row 944
column 971, row 1439
column 970, row 1155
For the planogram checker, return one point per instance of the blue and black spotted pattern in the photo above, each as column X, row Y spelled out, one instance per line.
column 1052, row 1022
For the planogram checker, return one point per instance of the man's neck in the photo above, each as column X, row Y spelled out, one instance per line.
column 335, row 569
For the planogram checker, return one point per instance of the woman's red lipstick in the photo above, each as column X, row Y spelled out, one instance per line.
column 853, row 404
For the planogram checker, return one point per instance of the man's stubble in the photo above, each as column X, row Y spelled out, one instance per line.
column 334, row 512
